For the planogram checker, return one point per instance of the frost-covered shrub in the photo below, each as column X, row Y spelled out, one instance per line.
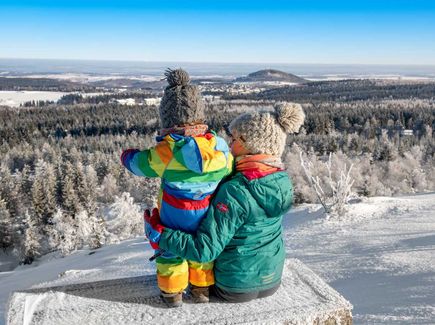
column 124, row 218
column 301, row 187
column 90, row 230
column 63, row 233
column 333, row 190
column 406, row 173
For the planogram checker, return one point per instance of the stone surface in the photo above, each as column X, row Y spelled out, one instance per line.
column 303, row 298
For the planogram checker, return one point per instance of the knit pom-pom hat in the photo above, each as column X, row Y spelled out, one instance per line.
column 266, row 132
column 181, row 103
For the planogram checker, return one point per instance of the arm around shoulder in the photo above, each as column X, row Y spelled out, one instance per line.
column 223, row 219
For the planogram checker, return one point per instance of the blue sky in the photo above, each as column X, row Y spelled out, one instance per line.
column 366, row 32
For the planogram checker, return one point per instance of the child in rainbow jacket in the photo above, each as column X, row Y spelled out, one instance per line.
column 191, row 161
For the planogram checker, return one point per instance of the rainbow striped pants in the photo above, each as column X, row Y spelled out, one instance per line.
column 174, row 274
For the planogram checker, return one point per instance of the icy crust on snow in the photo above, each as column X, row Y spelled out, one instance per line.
column 303, row 298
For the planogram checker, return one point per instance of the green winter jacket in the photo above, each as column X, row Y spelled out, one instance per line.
column 241, row 232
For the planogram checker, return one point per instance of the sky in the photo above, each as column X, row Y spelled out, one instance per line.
column 330, row 32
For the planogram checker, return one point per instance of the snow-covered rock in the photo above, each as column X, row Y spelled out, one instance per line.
column 303, row 298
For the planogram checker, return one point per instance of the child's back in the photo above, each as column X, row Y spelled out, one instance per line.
column 191, row 162
column 190, row 167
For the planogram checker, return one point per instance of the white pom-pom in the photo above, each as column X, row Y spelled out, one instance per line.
column 290, row 116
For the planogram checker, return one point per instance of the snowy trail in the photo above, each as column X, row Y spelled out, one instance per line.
column 381, row 256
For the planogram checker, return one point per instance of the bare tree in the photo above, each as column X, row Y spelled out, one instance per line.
column 333, row 193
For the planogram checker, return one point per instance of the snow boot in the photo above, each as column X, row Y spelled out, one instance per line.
column 200, row 295
column 172, row 300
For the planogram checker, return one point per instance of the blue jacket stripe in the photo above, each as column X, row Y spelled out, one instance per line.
column 185, row 220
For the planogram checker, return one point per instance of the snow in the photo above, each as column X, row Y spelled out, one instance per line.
column 380, row 257
column 127, row 101
column 112, row 261
column 15, row 98
column 152, row 101
column 30, row 305
column 302, row 298
column 7, row 262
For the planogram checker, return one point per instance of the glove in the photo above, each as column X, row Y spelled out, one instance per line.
column 153, row 227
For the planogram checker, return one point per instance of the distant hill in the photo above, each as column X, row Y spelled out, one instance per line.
column 271, row 75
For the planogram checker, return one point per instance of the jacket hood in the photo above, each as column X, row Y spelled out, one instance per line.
column 273, row 193
column 201, row 154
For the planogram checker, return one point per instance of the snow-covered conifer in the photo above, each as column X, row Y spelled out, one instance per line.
column 31, row 244
column 96, row 222
column 63, row 233
column 108, row 189
column 70, row 199
column 38, row 195
column 9, row 190
column 99, row 233
column 50, row 190
column 84, row 228
column 26, row 182
column 6, row 226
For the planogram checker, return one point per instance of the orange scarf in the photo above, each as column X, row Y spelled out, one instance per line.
column 257, row 166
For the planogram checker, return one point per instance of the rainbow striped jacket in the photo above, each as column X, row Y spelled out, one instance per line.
column 190, row 168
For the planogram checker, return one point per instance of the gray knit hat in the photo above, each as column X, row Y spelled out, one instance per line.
column 181, row 103
column 266, row 132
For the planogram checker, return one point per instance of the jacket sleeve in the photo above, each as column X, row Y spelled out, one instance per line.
column 223, row 219
column 142, row 163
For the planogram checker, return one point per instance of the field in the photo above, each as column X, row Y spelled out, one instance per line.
column 16, row 98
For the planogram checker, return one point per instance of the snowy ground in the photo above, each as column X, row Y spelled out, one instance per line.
column 381, row 257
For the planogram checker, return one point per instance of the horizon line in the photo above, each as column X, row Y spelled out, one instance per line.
column 223, row 62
